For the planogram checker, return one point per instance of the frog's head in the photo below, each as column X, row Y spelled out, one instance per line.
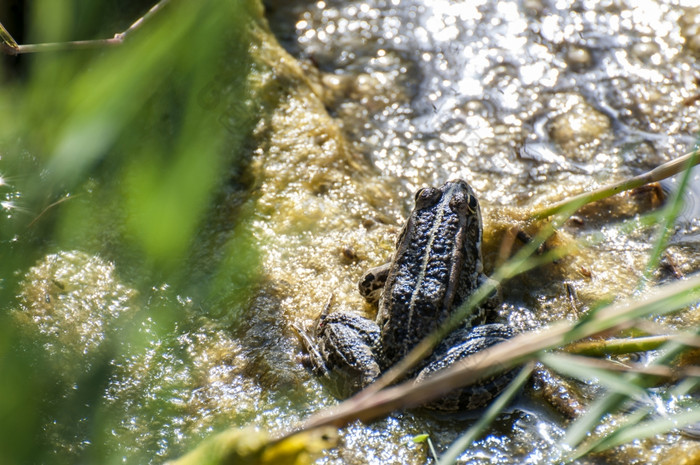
column 461, row 200
column 445, row 225
column 455, row 197
column 449, row 218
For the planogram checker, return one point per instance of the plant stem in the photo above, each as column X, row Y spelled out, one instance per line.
column 10, row 46
column 657, row 174
column 617, row 346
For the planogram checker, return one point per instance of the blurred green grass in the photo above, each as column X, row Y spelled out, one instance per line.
column 123, row 153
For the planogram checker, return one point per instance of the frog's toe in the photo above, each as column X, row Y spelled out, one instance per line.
column 311, row 359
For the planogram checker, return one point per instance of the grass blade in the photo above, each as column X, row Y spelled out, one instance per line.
column 664, row 171
column 670, row 214
column 611, row 402
column 635, row 430
column 450, row 456
column 570, row 366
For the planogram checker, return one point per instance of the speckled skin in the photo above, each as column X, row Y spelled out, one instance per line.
column 437, row 265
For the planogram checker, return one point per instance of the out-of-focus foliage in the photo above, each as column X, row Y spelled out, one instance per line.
column 119, row 153
column 252, row 447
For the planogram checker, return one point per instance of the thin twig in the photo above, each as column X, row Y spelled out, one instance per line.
column 659, row 173
column 139, row 22
column 9, row 45
column 57, row 202
column 63, row 46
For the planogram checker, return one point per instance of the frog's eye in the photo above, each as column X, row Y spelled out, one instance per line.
column 427, row 196
column 422, row 192
column 472, row 203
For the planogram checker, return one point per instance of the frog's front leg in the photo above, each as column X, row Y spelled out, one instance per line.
column 460, row 344
column 372, row 282
column 344, row 350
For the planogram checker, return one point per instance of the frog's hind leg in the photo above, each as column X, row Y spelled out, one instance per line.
column 458, row 345
column 349, row 346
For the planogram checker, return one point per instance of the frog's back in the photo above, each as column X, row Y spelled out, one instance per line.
column 436, row 265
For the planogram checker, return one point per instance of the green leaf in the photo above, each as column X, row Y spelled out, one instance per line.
column 418, row 438
column 7, row 39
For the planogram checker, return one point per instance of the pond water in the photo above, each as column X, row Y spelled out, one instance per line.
column 530, row 101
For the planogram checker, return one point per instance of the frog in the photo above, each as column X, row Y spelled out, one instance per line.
column 437, row 264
